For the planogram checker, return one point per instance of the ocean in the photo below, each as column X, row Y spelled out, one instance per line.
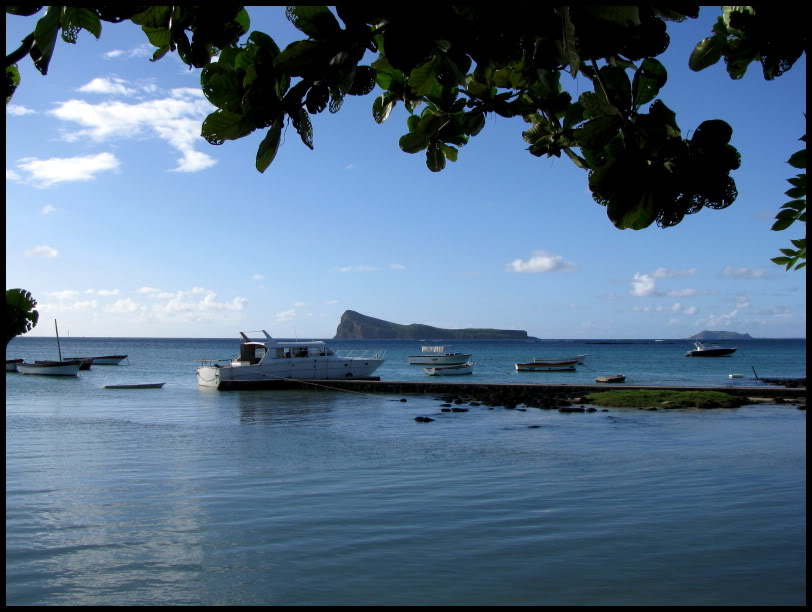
column 191, row 496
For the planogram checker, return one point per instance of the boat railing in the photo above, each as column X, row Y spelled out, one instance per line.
column 361, row 353
column 212, row 362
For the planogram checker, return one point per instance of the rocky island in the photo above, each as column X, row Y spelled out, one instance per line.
column 355, row 326
column 720, row 335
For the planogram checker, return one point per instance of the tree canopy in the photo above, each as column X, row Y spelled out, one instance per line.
column 21, row 317
column 455, row 69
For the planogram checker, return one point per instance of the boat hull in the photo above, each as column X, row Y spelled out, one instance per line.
column 136, row 386
column 545, row 367
column 232, row 376
column 711, row 352
column 56, row 368
column 618, row 378
column 451, row 370
column 11, row 364
column 109, row 359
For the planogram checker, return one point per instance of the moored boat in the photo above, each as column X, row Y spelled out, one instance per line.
column 87, row 362
column 611, row 378
column 578, row 358
column 51, row 368
column 550, row 366
column 109, row 359
column 710, row 350
column 451, row 370
column 437, row 355
column 270, row 361
column 11, row 364
column 136, row 386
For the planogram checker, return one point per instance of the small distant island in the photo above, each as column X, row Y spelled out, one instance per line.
column 356, row 326
column 720, row 335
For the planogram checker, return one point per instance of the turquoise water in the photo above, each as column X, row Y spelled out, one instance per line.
column 189, row 496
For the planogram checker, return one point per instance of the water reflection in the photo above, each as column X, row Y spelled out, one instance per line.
column 285, row 407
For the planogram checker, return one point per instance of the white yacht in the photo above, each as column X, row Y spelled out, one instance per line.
column 267, row 360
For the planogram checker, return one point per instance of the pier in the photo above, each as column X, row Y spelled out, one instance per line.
column 508, row 391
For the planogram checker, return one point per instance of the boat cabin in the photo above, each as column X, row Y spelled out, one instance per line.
column 253, row 352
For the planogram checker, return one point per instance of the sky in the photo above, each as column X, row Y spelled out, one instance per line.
column 122, row 221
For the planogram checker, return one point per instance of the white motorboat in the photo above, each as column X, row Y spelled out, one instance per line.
column 437, row 355
column 567, row 365
column 710, row 350
column 272, row 360
column 578, row 358
column 51, row 368
column 451, row 370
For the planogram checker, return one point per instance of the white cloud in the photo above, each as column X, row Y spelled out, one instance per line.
column 11, row 175
column 142, row 51
column 147, row 290
column 47, row 210
column 259, row 277
column 175, row 119
column 285, row 315
column 541, row 262
column 47, row 172
column 643, row 285
column 681, row 292
column 125, row 306
column 112, row 85
column 85, row 306
column 64, row 294
column 19, row 111
column 42, row 251
column 358, row 269
column 103, row 292
column 668, row 273
column 744, row 273
column 397, row 266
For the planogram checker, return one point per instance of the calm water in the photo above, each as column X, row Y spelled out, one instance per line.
column 185, row 495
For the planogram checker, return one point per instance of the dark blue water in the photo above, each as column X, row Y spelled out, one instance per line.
column 189, row 496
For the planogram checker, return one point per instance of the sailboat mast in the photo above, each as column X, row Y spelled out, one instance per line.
column 59, row 348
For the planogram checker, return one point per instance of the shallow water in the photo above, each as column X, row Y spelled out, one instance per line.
column 187, row 496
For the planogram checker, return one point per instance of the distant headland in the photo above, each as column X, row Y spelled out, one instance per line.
column 720, row 335
column 355, row 326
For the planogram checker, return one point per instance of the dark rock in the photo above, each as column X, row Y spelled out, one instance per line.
column 571, row 409
column 423, row 419
column 455, row 409
column 591, row 409
column 403, row 399
column 445, row 409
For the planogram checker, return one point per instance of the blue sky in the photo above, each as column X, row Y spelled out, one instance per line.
column 122, row 221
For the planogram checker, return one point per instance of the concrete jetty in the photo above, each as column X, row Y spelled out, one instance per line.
column 506, row 390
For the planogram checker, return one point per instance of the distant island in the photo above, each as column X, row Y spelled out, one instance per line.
column 355, row 326
column 720, row 335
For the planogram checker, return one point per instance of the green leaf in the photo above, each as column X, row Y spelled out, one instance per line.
column 706, row 53
column 301, row 121
column 269, row 146
column 221, row 86
column 435, row 159
column 648, row 80
column 383, row 106
column 12, row 81
column 449, row 152
column 423, row 78
column 414, row 142
column 222, row 125
column 45, row 34
column 798, row 160
column 315, row 21
column 796, row 192
column 76, row 18
column 783, row 224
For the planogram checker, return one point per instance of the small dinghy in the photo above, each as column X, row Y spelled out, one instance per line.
column 137, row 386
column 612, row 378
